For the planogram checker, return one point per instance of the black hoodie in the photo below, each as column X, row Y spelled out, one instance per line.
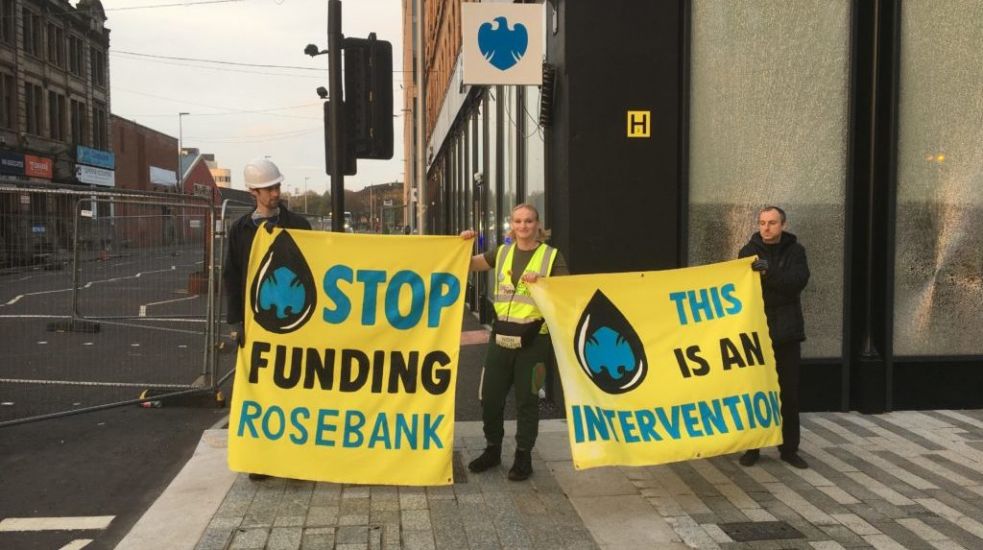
column 782, row 285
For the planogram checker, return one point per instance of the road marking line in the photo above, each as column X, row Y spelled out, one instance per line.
column 35, row 316
column 90, row 283
column 17, row 298
column 69, row 523
column 107, row 384
column 76, row 544
column 143, row 308
column 101, row 320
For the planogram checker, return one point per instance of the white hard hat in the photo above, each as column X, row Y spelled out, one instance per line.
column 261, row 172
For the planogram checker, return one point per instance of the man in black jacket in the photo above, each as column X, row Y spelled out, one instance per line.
column 263, row 180
column 784, row 274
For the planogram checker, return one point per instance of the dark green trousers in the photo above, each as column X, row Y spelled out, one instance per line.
column 524, row 369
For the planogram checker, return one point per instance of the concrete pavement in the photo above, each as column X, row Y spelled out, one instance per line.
column 898, row 480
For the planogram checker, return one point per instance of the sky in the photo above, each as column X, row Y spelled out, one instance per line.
column 285, row 118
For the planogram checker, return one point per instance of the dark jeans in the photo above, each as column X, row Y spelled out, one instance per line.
column 523, row 369
column 788, row 356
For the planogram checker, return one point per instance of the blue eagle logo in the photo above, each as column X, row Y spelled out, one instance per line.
column 608, row 348
column 503, row 48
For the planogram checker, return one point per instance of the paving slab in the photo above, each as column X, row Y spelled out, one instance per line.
column 865, row 489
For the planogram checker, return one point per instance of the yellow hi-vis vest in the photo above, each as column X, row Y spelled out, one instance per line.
column 515, row 304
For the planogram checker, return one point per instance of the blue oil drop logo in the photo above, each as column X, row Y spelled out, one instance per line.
column 283, row 293
column 608, row 348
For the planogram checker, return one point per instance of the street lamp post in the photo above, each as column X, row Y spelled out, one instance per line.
column 180, row 150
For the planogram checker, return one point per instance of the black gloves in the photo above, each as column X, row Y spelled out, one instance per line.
column 760, row 265
column 238, row 334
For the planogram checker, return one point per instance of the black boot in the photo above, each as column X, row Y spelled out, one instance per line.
column 522, row 467
column 489, row 459
column 750, row 458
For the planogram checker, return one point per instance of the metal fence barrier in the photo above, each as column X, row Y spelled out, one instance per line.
column 111, row 298
column 106, row 298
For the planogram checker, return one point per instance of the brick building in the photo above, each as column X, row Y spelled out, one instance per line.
column 54, row 114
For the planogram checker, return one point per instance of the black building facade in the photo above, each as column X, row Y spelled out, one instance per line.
column 861, row 118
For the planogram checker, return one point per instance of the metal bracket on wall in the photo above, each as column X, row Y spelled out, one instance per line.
column 546, row 95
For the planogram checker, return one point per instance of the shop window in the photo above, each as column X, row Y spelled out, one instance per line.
column 768, row 125
column 491, row 219
column 938, row 262
column 509, row 151
column 534, row 149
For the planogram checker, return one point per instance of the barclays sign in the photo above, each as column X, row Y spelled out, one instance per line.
column 502, row 43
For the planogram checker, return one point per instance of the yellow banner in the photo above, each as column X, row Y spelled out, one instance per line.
column 663, row 366
column 350, row 359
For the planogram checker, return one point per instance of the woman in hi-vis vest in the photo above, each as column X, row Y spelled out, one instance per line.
column 520, row 342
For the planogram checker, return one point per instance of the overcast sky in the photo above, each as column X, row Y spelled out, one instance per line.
column 290, row 129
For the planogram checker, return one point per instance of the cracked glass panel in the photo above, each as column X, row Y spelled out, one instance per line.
column 768, row 125
column 938, row 304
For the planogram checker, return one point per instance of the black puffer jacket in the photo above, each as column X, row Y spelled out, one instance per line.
column 240, row 242
column 782, row 285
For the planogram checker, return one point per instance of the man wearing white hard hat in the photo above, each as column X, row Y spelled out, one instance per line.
column 263, row 180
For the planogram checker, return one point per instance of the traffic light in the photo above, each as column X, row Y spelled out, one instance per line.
column 350, row 168
column 369, row 97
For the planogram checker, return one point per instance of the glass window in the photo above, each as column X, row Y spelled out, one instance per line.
column 534, row 153
column 768, row 125
column 7, row 21
column 32, row 32
column 459, row 176
column 509, row 149
column 75, row 49
column 8, row 96
column 491, row 183
column 453, row 184
column 938, row 291
column 462, row 176
column 468, row 171
column 475, row 212
column 478, row 161
column 34, row 107
column 98, row 61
